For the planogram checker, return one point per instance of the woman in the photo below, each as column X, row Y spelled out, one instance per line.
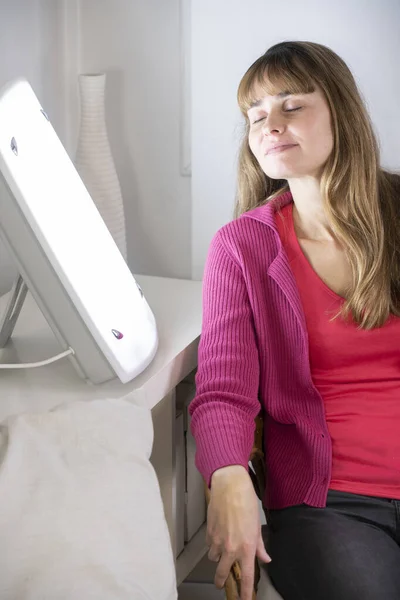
column 301, row 320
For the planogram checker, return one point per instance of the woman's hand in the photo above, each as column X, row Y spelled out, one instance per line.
column 234, row 527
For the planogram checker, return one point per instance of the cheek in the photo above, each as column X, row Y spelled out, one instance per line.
column 326, row 141
column 252, row 144
column 321, row 136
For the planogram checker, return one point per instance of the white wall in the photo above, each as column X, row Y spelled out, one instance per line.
column 228, row 36
column 170, row 218
column 30, row 45
column 137, row 43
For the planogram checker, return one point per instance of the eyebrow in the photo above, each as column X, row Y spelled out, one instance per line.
column 258, row 102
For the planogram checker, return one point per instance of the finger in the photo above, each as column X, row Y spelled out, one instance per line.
column 261, row 552
column 208, row 538
column 222, row 572
column 247, row 581
column 214, row 554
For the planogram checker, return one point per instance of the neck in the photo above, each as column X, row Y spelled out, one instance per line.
column 308, row 213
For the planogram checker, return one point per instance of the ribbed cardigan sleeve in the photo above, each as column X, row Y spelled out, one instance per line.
column 227, row 381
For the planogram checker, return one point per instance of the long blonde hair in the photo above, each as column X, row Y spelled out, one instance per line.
column 361, row 200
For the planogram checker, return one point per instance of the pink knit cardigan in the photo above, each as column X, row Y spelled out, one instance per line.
column 253, row 355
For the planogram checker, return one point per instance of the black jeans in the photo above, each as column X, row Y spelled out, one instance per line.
column 349, row 550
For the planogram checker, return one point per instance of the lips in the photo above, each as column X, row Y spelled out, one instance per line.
column 277, row 148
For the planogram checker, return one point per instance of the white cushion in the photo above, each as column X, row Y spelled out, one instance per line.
column 81, row 515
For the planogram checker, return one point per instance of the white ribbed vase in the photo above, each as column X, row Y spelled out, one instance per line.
column 94, row 161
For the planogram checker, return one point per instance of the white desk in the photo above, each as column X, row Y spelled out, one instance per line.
column 177, row 308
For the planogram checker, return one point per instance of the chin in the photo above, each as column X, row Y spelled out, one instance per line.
column 280, row 174
column 277, row 177
column 279, row 170
column 283, row 171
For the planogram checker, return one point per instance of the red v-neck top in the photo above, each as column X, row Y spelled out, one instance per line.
column 357, row 374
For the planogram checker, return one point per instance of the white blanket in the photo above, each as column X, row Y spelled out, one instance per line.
column 81, row 516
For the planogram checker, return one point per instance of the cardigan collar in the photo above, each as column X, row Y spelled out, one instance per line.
column 279, row 268
column 266, row 212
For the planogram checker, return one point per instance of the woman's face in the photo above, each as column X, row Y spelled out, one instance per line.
column 291, row 135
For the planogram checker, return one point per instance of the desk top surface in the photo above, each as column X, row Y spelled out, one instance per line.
column 176, row 304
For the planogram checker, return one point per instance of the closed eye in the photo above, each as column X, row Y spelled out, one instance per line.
column 288, row 110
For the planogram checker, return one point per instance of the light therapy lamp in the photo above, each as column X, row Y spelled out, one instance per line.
column 64, row 252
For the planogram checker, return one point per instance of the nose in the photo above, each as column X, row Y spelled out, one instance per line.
column 273, row 124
